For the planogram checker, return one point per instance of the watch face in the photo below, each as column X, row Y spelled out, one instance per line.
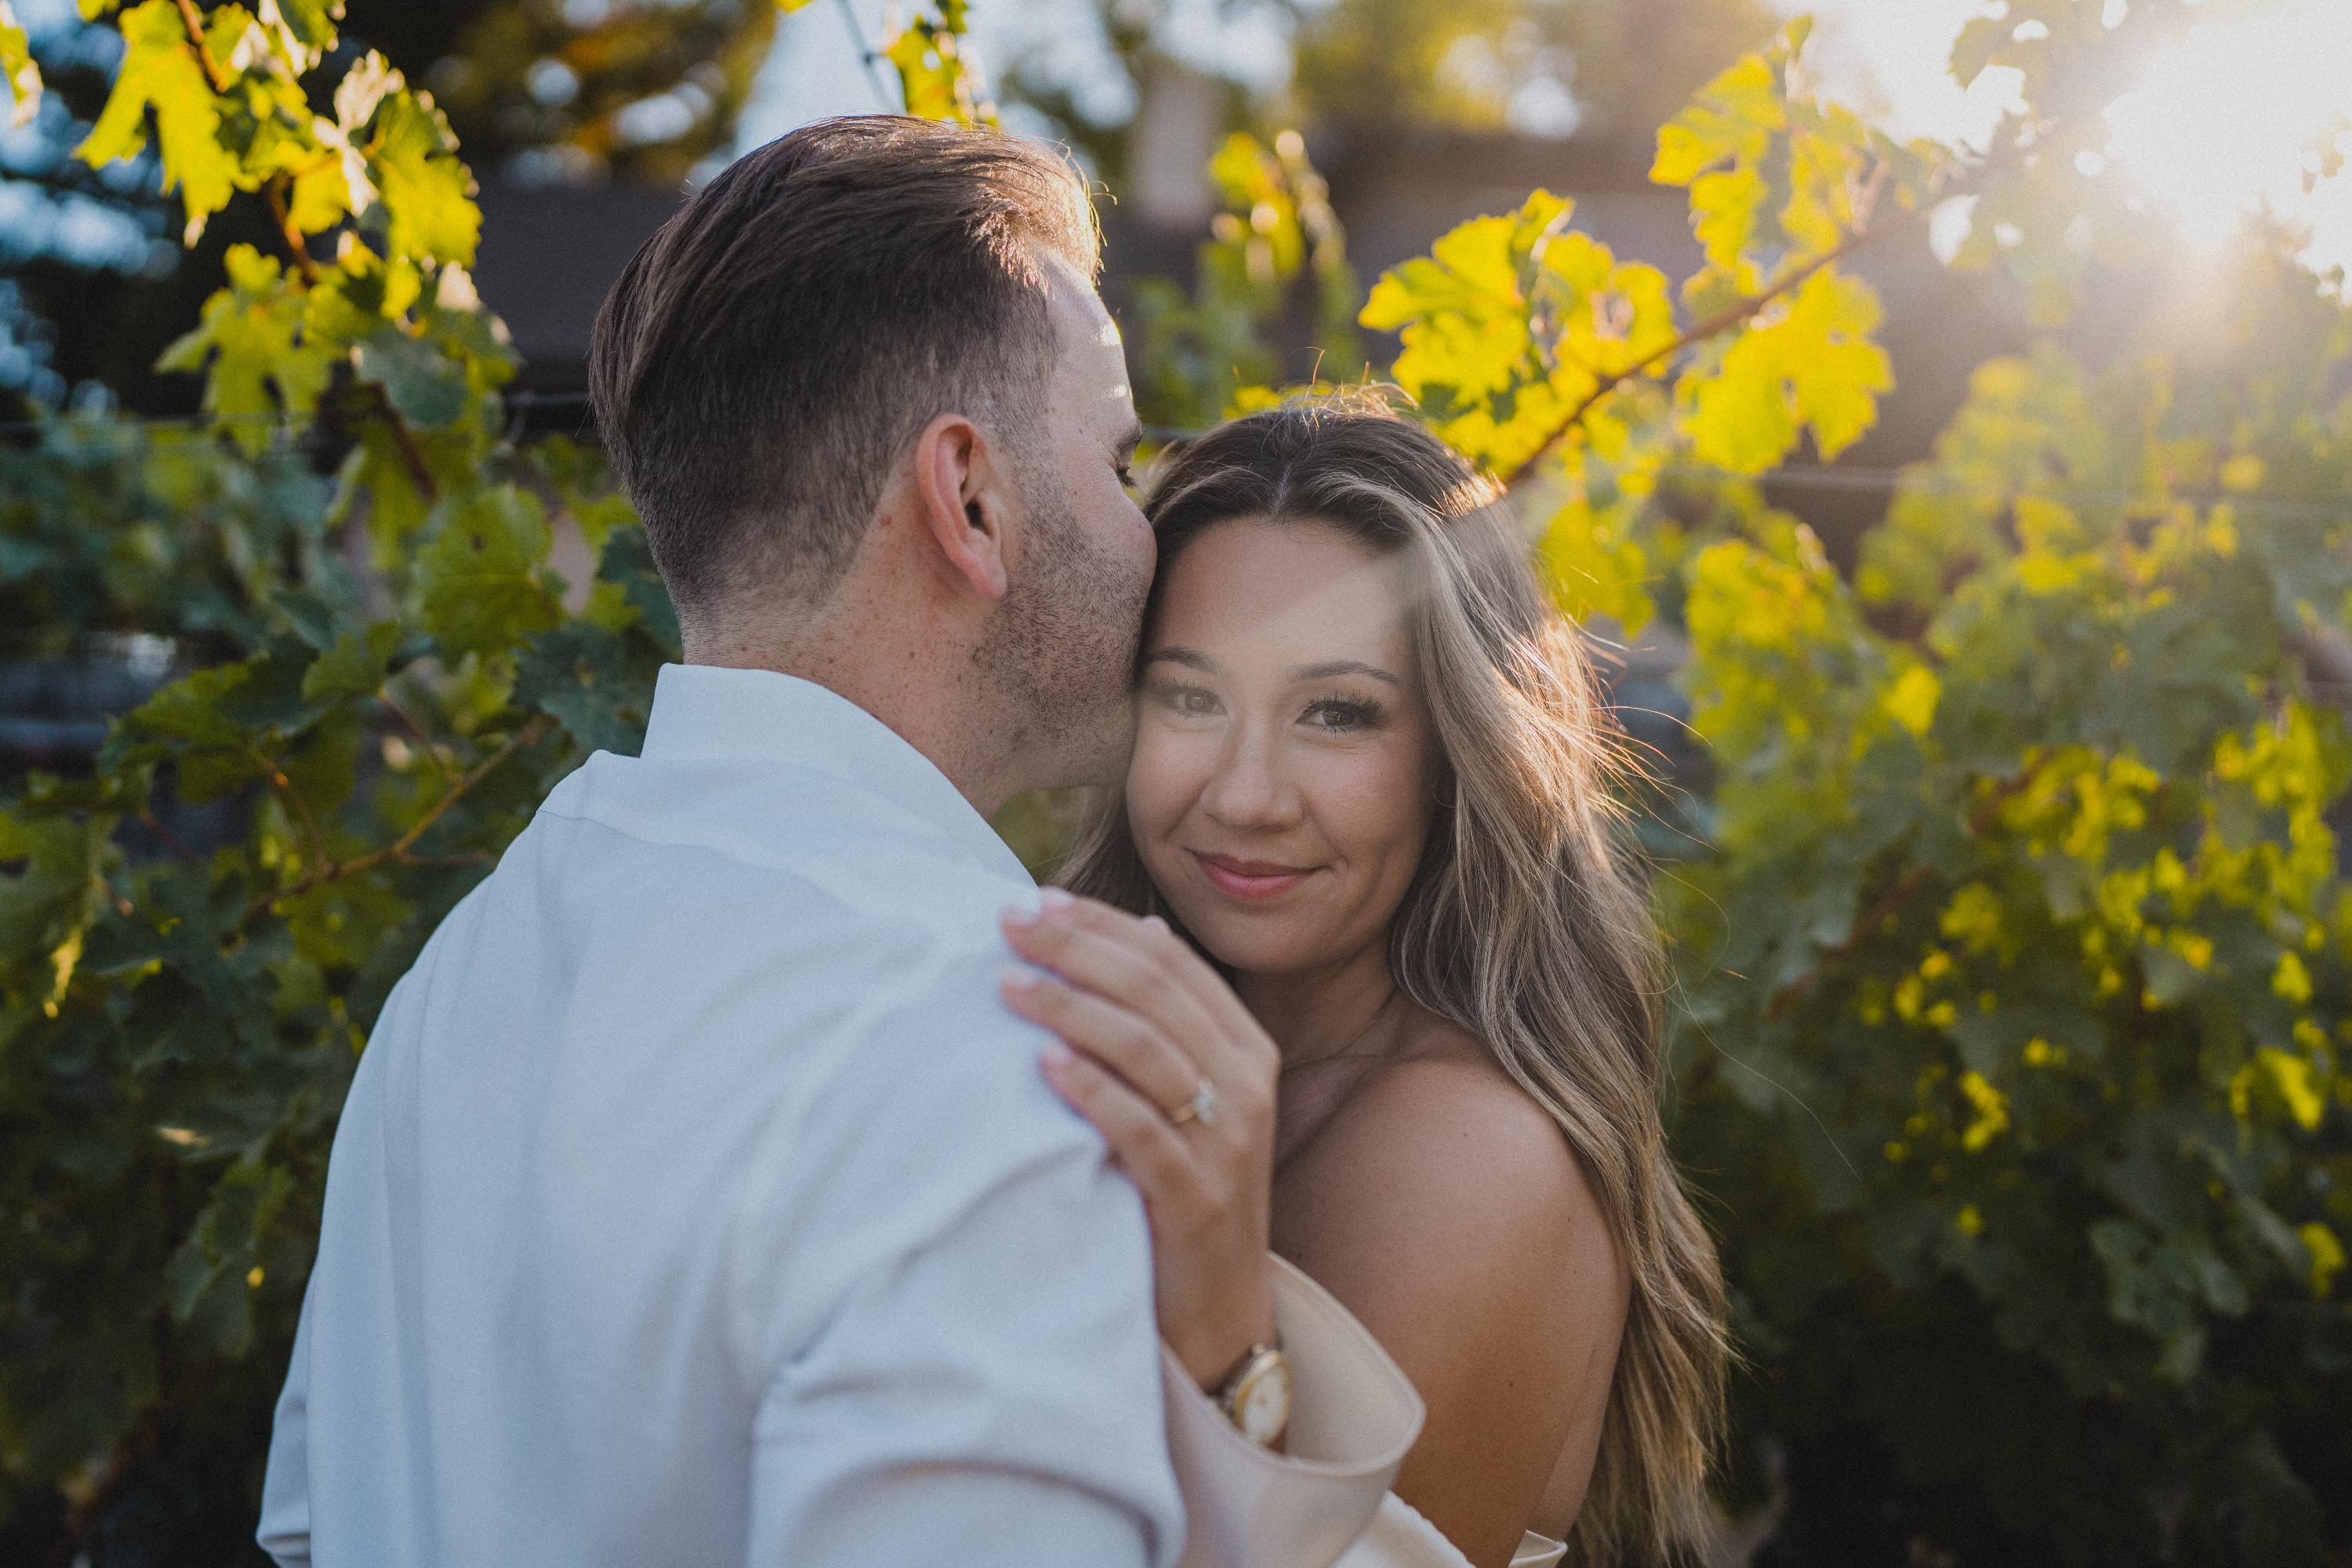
column 1262, row 1405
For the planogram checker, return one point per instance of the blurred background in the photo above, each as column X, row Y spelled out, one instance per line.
column 1939, row 421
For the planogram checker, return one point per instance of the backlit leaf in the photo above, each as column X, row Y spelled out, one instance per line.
column 17, row 64
column 159, row 72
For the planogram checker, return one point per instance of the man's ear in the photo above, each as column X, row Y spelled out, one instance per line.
column 964, row 503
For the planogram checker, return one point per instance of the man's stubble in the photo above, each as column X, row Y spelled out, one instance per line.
column 1062, row 652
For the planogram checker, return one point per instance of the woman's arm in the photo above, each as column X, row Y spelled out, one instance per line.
column 1445, row 1209
column 1146, row 1025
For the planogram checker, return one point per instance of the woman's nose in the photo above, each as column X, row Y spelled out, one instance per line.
column 1250, row 789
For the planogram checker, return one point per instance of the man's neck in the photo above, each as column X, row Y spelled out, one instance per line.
column 906, row 688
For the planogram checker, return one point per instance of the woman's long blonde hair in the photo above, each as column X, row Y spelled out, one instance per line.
column 1526, row 924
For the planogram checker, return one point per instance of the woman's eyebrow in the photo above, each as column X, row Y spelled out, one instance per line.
column 1338, row 667
column 1191, row 658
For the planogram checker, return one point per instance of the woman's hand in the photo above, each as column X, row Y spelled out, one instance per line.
column 1162, row 1057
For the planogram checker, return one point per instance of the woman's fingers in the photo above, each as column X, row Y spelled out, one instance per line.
column 1118, row 1039
column 1121, row 958
column 1151, row 1152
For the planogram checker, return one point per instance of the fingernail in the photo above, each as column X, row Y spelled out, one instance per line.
column 1014, row 915
column 1057, row 1056
column 1018, row 981
column 1055, row 900
column 1155, row 921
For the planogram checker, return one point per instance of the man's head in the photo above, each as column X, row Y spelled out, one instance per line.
column 863, row 376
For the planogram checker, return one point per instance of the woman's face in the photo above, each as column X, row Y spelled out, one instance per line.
column 1285, row 764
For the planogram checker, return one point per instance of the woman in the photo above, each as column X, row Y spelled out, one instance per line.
column 1371, row 785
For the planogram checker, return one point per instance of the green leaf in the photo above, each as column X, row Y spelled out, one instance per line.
column 159, row 72
column 253, row 339
column 480, row 579
column 426, row 385
column 427, row 194
column 578, row 674
column 354, row 666
column 627, row 560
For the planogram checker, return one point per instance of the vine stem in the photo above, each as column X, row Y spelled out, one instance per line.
column 1722, row 321
column 1732, row 315
column 1900, row 893
column 275, row 193
column 416, row 731
column 530, row 734
column 193, row 21
column 286, row 790
column 412, row 453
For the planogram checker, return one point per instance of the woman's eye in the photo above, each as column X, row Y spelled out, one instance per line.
column 1126, row 476
column 1190, row 701
column 1342, row 713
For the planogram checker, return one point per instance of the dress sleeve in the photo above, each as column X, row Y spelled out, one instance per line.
column 1354, row 1415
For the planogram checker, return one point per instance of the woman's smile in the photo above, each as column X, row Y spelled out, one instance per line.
column 1253, row 881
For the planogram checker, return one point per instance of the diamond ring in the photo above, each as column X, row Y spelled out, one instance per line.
column 1202, row 1107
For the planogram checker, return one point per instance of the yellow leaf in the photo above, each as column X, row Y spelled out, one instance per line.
column 2040, row 572
column 2244, row 472
column 1911, row 701
column 1992, row 1108
column 1594, row 566
column 2291, row 979
column 160, row 71
column 426, row 190
column 2292, row 1077
column 2045, row 524
column 1611, row 316
column 1732, row 117
column 1723, row 212
column 2326, row 1256
column 250, row 337
column 17, row 64
column 1812, row 367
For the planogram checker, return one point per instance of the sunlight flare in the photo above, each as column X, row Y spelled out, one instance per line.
column 2239, row 116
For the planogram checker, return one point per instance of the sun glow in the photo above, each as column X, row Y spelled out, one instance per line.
column 2239, row 116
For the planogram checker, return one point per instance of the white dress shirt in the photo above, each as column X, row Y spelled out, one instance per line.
column 697, row 1202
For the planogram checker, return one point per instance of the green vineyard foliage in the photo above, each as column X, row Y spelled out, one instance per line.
column 2013, row 965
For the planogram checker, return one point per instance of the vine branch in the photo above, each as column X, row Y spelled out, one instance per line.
column 530, row 734
column 417, row 733
column 193, row 21
column 275, row 193
column 1741, row 310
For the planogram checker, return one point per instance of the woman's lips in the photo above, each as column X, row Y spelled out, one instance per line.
column 1251, row 879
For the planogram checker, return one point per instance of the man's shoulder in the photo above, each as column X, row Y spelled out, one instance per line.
column 809, row 838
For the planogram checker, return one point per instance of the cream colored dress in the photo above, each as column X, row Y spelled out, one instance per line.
column 1399, row 1537
column 1323, row 1501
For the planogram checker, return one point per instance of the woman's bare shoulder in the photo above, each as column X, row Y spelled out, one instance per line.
column 1444, row 1207
column 1438, row 1154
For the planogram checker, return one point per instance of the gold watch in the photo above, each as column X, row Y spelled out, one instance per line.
column 1255, row 1396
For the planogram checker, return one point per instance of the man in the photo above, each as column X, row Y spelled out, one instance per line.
column 697, row 1202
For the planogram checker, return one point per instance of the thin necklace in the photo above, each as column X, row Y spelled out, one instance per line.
column 1342, row 1054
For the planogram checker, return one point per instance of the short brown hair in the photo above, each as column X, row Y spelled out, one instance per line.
column 766, row 358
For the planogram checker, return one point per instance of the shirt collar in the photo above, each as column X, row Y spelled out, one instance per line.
column 705, row 712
